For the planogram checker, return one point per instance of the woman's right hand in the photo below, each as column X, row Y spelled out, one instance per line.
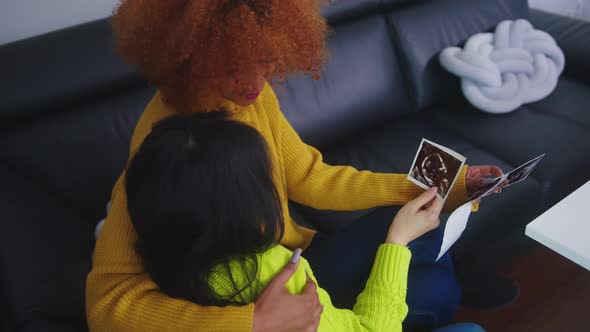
column 277, row 310
column 415, row 218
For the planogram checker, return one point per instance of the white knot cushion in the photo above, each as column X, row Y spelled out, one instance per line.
column 503, row 70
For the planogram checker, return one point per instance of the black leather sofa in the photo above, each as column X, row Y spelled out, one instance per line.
column 68, row 106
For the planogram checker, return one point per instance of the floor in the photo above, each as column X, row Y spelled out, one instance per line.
column 555, row 296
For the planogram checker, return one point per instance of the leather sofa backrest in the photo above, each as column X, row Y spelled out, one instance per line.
column 52, row 72
column 342, row 10
column 360, row 85
column 423, row 30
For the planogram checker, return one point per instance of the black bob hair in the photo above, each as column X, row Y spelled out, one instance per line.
column 200, row 193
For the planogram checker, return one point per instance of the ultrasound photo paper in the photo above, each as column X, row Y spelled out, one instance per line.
column 436, row 166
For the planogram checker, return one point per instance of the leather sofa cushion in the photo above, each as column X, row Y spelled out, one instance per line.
column 558, row 126
column 359, row 86
column 49, row 325
column 569, row 102
column 45, row 254
column 423, row 30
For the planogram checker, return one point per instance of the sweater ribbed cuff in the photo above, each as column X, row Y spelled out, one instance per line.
column 391, row 266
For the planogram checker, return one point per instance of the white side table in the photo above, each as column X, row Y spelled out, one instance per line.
column 565, row 228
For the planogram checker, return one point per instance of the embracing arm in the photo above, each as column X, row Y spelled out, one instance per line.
column 120, row 295
column 314, row 183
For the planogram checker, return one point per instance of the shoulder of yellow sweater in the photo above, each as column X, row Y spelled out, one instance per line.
column 268, row 94
column 269, row 101
column 155, row 111
column 274, row 260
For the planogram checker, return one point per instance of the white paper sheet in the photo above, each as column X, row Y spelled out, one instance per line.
column 454, row 228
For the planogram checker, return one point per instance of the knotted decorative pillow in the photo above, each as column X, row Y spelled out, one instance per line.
column 503, row 70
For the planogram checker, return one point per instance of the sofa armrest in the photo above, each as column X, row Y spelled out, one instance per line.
column 572, row 36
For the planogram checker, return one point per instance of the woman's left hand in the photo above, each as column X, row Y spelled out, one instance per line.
column 475, row 179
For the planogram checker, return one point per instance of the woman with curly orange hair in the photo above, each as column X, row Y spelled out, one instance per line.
column 196, row 50
column 206, row 55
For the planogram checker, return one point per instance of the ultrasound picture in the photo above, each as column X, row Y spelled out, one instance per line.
column 516, row 175
column 523, row 171
column 435, row 168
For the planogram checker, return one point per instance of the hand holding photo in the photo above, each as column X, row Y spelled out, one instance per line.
column 523, row 171
column 516, row 175
column 436, row 166
column 491, row 185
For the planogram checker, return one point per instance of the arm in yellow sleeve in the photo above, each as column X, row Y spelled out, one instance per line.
column 120, row 295
column 314, row 183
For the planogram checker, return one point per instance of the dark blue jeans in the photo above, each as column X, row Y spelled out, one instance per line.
column 342, row 263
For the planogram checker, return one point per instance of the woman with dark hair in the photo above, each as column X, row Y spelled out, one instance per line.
column 201, row 197
column 206, row 55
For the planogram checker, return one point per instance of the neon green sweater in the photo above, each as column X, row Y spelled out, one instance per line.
column 380, row 307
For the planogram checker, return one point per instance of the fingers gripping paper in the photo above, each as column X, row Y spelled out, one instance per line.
column 455, row 226
column 503, row 70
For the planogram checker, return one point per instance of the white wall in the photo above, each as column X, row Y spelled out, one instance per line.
column 21, row 19
column 574, row 8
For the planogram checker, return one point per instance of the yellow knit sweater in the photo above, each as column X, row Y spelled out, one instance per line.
column 120, row 296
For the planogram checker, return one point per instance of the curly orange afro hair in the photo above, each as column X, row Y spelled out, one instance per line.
column 187, row 47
